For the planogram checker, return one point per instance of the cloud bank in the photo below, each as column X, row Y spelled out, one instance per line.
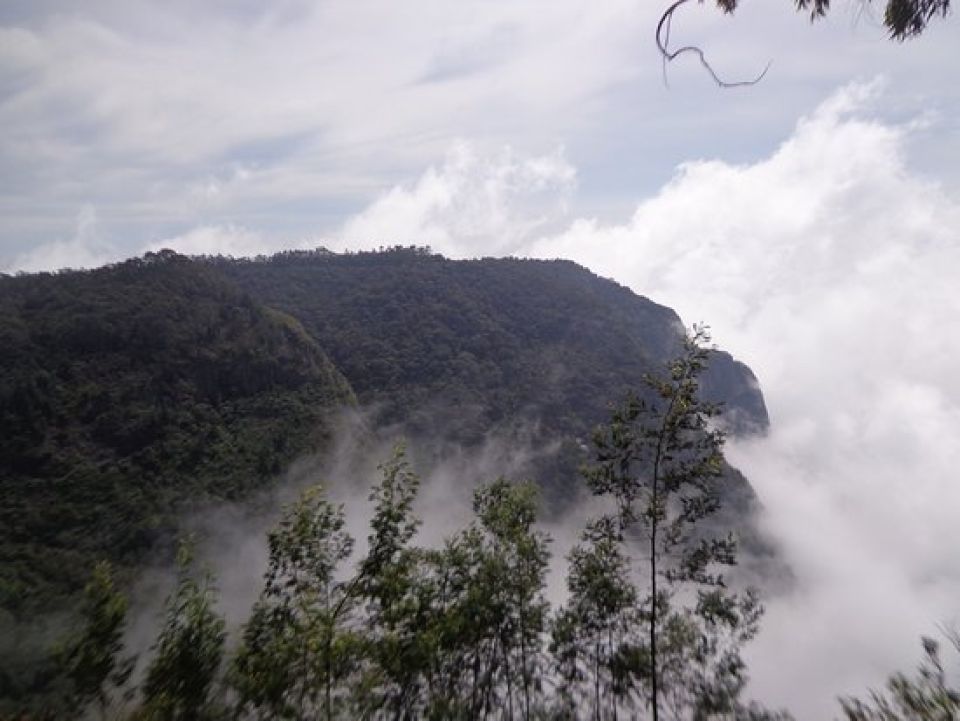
column 84, row 249
column 496, row 205
column 829, row 267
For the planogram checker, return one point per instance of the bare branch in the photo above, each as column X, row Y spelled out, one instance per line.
column 668, row 55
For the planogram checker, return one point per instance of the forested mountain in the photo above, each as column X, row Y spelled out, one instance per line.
column 465, row 345
column 129, row 391
column 132, row 392
column 451, row 350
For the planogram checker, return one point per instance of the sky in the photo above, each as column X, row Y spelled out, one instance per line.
column 813, row 220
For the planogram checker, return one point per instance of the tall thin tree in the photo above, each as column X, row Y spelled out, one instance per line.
column 660, row 458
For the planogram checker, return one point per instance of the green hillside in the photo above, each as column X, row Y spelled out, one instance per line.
column 459, row 347
column 130, row 393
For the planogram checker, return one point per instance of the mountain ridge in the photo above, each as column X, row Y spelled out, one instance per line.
column 134, row 392
column 543, row 301
column 135, row 388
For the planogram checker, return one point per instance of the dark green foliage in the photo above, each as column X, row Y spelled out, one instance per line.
column 180, row 679
column 902, row 18
column 296, row 651
column 128, row 391
column 129, row 396
column 477, row 615
column 598, row 623
column 908, row 18
column 456, row 348
column 134, row 392
column 395, row 598
column 414, row 633
column 510, row 578
column 925, row 697
column 91, row 657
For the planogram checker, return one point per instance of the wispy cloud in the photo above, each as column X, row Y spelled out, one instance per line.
column 472, row 203
column 84, row 249
column 153, row 113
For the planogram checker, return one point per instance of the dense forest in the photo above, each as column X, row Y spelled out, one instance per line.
column 466, row 345
column 464, row 630
column 126, row 392
column 649, row 627
column 133, row 393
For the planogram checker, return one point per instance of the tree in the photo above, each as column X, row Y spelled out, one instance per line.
column 926, row 697
column 296, row 648
column 903, row 19
column 661, row 461
column 188, row 651
column 91, row 658
column 599, row 619
column 515, row 569
column 310, row 632
column 487, row 612
column 391, row 590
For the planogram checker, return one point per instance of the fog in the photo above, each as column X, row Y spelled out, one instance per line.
column 230, row 539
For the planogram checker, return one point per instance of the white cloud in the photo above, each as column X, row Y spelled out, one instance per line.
column 85, row 249
column 217, row 240
column 471, row 202
column 146, row 111
column 831, row 269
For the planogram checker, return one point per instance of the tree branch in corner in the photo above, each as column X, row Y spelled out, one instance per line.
column 668, row 55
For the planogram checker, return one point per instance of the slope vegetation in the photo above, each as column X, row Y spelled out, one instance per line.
column 459, row 347
column 129, row 392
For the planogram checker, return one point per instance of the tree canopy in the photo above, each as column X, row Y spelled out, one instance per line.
column 903, row 19
column 462, row 629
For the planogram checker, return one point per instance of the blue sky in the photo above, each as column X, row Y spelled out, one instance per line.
column 813, row 220
column 137, row 122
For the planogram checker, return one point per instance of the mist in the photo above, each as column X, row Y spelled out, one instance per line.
column 230, row 539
